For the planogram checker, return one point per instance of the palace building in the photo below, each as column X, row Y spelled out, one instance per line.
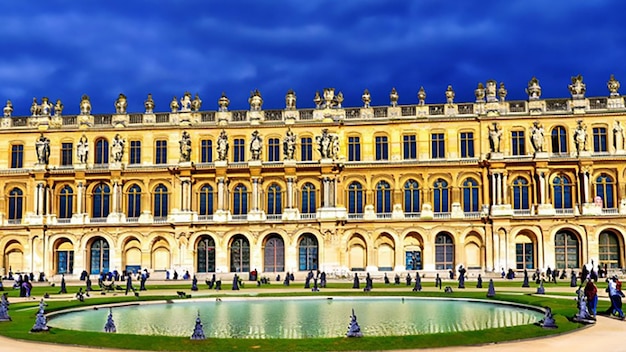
column 491, row 184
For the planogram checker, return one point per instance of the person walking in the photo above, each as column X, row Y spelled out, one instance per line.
column 616, row 297
column 591, row 292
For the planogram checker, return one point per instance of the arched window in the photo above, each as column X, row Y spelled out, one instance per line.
column 609, row 250
column 444, row 252
column 355, row 198
column 605, row 189
column 520, row 194
column 239, row 254
column 133, row 204
column 562, row 191
column 441, row 196
column 470, row 195
column 101, row 201
column 308, row 205
column 160, row 201
column 16, row 200
column 307, row 253
column 559, row 140
column 101, row 155
column 274, row 255
column 205, row 255
column 567, row 250
column 66, row 202
column 274, row 200
column 99, row 256
column 240, row 200
column 64, row 256
column 206, row 200
column 411, row 197
column 383, row 197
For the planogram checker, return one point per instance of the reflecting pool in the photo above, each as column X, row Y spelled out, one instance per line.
column 302, row 317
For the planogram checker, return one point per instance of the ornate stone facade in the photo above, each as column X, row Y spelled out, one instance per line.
column 399, row 187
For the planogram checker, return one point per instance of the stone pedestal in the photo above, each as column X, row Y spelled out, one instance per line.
column 120, row 120
column 615, row 102
column 591, row 209
column 255, row 117
column 398, row 212
column 40, row 167
column 5, row 122
column 256, row 215
column 536, row 107
column 85, row 121
column 291, row 214
column 501, row 210
column 546, row 209
column 182, row 216
column 366, row 113
column 369, row 213
column 148, row 119
column 331, row 213
column 116, row 218
column 427, row 212
column 541, row 155
column 450, row 110
column 496, row 156
column 394, row 112
column 33, row 219
column 457, row 211
column 290, row 116
column 421, row 111
column 222, row 118
column 115, row 166
column 79, row 219
column 222, row 216
column 145, row 217
column 579, row 106
column 221, row 163
column 493, row 109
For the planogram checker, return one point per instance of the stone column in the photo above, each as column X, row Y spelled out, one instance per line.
column 79, row 198
column 255, row 194
column 493, row 189
column 499, row 187
column 39, row 199
column 185, row 186
column 116, row 202
column 326, row 182
column 333, row 192
column 220, row 193
column 48, row 200
column 586, row 186
column 542, row 187
column 290, row 197
column 505, row 198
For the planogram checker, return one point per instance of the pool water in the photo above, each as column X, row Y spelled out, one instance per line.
column 302, row 317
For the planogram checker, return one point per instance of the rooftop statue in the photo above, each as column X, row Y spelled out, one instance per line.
column 329, row 97
column 393, row 97
column 45, row 108
column 85, row 105
column 120, row 104
column 149, row 104
column 58, row 108
column 450, row 95
column 185, row 102
column 366, row 98
column 317, row 100
column 35, row 110
column 255, row 100
column 338, row 100
column 421, row 96
column 196, row 103
column 534, row 89
column 174, row 106
column 479, row 92
column 491, row 88
column 223, row 102
column 290, row 100
column 577, row 88
column 8, row 109
column 502, row 92
column 613, row 86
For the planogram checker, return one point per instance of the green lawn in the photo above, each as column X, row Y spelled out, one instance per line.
column 23, row 315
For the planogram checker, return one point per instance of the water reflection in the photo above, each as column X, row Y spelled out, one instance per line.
column 302, row 318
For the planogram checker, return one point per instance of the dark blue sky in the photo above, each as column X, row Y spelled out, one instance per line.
column 63, row 49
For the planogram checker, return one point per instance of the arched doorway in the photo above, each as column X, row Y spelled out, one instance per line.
column 63, row 256
column 239, row 254
column 307, row 253
column 274, row 254
column 99, row 256
column 566, row 250
column 205, row 255
column 357, row 253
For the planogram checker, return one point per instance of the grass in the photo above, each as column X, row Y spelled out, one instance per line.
column 23, row 315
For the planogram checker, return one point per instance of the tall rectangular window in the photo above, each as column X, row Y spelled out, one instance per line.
column 134, row 156
column 161, row 152
column 518, row 143
column 438, row 146
column 354, row 149
column 239, row 150
column 17, row 156
column 409, row 146
column 467, row 144
column 273, row 149
column 67, row 154
column 206, row 151
column 599, row 139
column 382, row 148
column 306, row 149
